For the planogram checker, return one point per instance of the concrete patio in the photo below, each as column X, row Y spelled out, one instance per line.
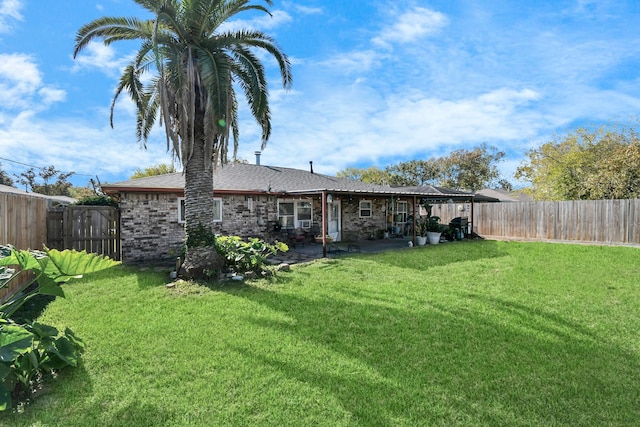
column 305, row 252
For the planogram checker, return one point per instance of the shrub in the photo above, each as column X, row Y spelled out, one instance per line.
column 97, row 200
column 247, row 255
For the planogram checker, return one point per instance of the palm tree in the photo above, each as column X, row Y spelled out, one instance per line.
column 195, row 66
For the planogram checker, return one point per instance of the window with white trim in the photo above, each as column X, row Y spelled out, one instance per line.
column 366, row 209
column 295, row 214
column 217, row 210
column 402, row 210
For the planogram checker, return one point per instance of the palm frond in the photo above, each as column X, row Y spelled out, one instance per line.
column 196, row 71
column 111, row 29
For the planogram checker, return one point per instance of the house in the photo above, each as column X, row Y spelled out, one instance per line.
column 268, row 202
column 53, row 200
column 496, row 195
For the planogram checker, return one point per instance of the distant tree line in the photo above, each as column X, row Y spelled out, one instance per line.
column 47, row 180
column 585, row 164
column 5, row 179
column 463, row 169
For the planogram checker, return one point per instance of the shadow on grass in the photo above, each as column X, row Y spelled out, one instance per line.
column 484, row 361
column 439, row 255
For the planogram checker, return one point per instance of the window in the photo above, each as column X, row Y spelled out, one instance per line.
column 286, row 214
column 217, row 210
column 401, row 212
column 365, row 209
column 303, row 214
column 295, row 214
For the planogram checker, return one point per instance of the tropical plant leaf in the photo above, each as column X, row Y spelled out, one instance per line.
column 44, row 331
column 49, row 286
column 5, row 370
column 14, row 341
column 5, row 397
column 69, row 264
column 6, row 274
column 65, row 351
column 77, row 341
column 25, row 259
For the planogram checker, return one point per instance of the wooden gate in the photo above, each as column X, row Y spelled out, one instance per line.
column 95, row 229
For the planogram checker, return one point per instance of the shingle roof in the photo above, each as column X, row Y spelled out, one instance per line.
column 242, row 177
column 504, row 196
column 65, row 200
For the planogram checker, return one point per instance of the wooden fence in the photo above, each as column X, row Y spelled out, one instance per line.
column 23, row 220
column 28, row 222
column 94, row 229
column 594, row 221
column 23, row 224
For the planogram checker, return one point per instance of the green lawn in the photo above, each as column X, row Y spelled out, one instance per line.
column 471, row 333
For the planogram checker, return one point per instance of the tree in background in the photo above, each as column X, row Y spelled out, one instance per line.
column 160, row 169
column 82, row 192
column 586, row 164
column 186, row 71
column 58, row 188
column 469, row 170
column 415, row 172
column 373, row 175
column 5, row 179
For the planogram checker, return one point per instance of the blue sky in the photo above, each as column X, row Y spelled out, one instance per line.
column 375, row 82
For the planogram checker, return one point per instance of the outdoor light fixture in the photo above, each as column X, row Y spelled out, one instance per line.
column 329, row 198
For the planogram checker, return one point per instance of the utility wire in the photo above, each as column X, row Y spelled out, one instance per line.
column 39, row 167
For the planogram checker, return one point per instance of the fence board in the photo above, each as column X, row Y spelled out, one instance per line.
column 596, row 221
column 93, row 229
column 23, row 225
column 23, row 220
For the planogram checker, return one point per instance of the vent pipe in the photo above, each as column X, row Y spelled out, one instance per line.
column 257, row 153
column 311, row 166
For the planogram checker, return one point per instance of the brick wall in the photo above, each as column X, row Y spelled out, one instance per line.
column 150, row 229
column 356, row 228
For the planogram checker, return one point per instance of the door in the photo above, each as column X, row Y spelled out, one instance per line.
column 334, row 220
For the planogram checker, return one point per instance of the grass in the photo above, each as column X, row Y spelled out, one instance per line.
column 473, row 333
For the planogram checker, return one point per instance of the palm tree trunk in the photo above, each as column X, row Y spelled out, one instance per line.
column 202, row 261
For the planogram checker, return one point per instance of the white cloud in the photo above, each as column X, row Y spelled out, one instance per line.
column 21, row 84
column 50, row 95
column 353, row 125
column 9, row 11
column 263, row 22
column 306, row 10
column 353, row 61
column 20, row 69
column 96, row 150
column 97, row 55
column 411, row 26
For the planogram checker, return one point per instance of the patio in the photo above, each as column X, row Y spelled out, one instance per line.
column 305, row 252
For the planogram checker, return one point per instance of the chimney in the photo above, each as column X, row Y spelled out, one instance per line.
column 257, row 153
column 311, row 166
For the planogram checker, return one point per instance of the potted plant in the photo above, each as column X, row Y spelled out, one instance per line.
column 421, row 238
column 433, row 230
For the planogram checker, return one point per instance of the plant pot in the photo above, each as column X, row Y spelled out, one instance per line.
column 327, row 239
column 433, row 237
column 421, row 240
